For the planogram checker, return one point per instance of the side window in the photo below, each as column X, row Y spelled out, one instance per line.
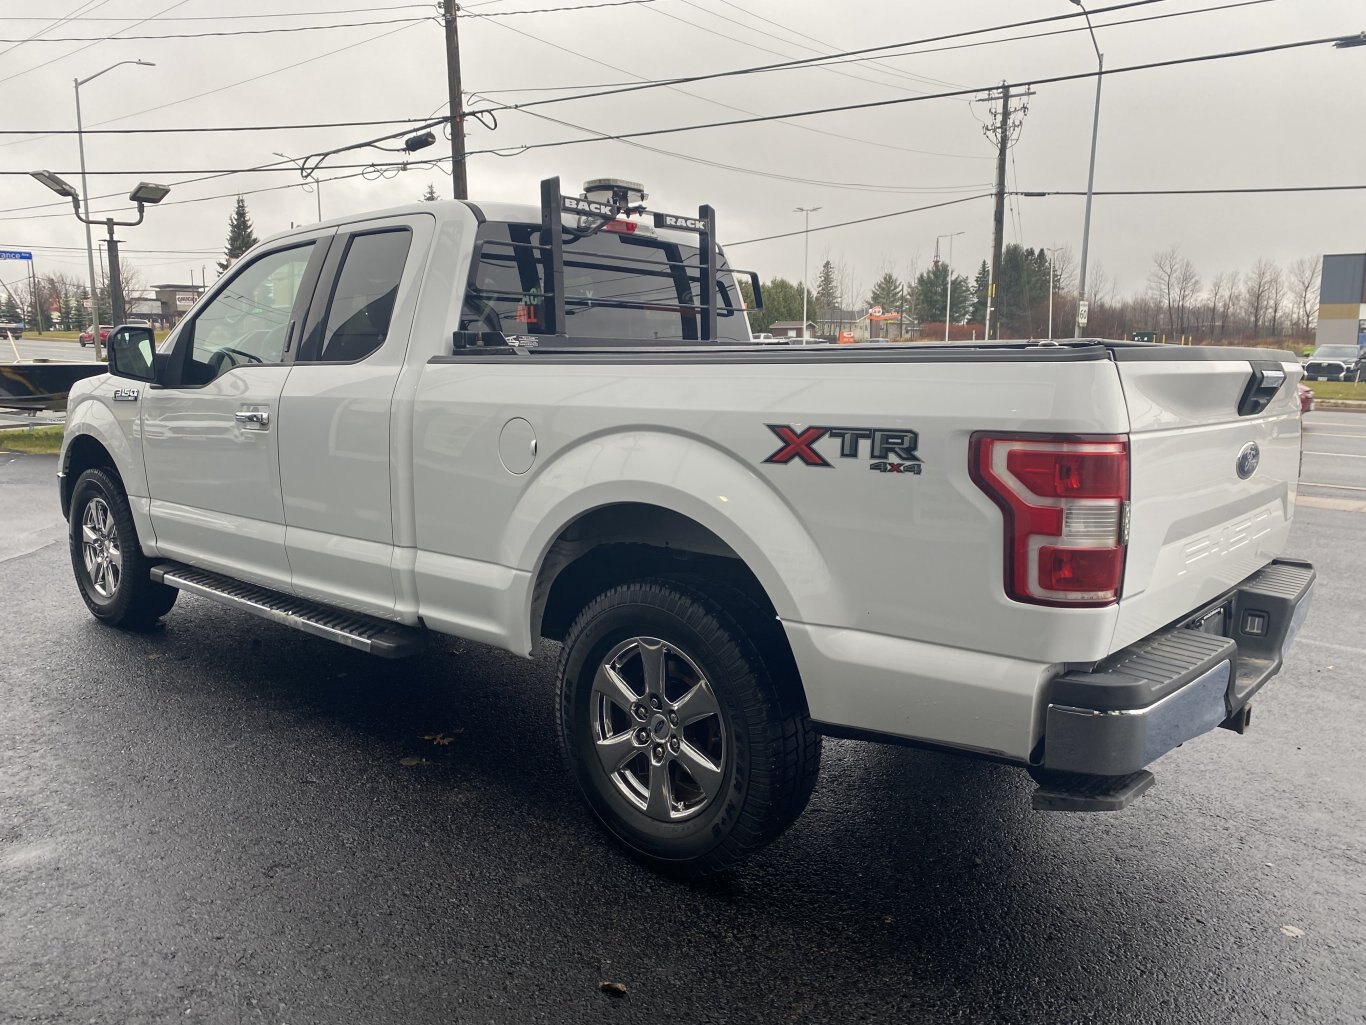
column 363, row 298
column 246, row 322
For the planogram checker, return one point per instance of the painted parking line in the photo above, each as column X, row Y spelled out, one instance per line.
column 1326, row 434
column 1337, row 455
column 1336, row 504
column 1333, row 487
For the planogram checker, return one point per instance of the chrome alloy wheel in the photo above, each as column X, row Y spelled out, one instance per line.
column 100, row 548
column 658, row 730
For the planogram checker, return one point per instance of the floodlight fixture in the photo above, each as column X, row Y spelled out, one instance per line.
column 149, row 193
column 63, row 188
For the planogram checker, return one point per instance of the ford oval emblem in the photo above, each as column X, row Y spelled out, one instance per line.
column 1248, row 459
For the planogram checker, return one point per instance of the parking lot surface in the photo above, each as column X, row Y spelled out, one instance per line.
column 226, row 821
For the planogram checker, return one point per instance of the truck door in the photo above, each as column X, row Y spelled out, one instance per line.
column 210, row 434
column 337, row 439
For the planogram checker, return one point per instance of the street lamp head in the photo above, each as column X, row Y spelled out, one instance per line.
column 146, row 64
column 1349, row 41
column 56, row 184
column 148, row 193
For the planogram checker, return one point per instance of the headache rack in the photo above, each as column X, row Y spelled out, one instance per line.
column 595, row 216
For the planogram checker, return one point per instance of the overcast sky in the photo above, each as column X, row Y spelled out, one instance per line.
column 1291, row 118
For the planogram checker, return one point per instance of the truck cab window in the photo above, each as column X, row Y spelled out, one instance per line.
column 362, row 302
column 616, row 285
column 246, row 322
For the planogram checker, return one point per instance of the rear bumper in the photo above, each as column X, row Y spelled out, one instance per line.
column 1166, row 689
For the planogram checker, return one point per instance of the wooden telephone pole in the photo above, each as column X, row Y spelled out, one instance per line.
column 1008, row 112
column 459, row 181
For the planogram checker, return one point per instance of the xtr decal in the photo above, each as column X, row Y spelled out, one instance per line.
column 889, row 450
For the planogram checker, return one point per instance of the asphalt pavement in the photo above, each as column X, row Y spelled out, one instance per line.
column 44, row 347
column 225, row 821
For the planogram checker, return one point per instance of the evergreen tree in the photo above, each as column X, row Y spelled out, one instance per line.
column 889, row 294
column 241, row 236
column 930, row 298
column 827, row 293
column 980, row 287
column 430, row 195
column 782, row 301
column 10, row 312
column 1022, row 292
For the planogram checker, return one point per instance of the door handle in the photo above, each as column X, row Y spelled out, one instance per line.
column 253, row 419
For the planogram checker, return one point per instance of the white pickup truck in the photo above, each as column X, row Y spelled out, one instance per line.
column 508, row 423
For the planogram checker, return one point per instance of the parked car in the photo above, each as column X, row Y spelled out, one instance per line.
column 1336, row 363
column 738, row 547
column 1306, row 399
column 86, row 337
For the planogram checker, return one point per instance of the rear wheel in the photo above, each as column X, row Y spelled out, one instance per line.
column 676, row 730
column 111, row 571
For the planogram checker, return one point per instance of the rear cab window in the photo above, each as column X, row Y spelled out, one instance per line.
column 361, row 305
column 616, row 285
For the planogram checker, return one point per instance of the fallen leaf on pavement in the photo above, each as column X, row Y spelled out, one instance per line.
column 1292, row 930
column 439, row 739
column 413, row 761
column 615, row 989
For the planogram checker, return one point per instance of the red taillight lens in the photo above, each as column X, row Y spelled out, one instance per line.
column 1072, row 474
column 1063, row 501
column 1085, row 570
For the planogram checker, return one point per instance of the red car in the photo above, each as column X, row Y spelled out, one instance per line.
column 86, row 338
column 1306, row 399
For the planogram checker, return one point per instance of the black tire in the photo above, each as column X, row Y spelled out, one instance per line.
column 767, row 750
column 124, row 596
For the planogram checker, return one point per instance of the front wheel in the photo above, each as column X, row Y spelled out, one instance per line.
column 111, row 571
column 684, row 744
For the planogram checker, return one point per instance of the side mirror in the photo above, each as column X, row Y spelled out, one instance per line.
column 132, row 353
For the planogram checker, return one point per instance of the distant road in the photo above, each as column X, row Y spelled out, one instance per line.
column 34, row 347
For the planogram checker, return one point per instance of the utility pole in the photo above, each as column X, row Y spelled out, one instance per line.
column 1003, row 129
column 37, row 299
column 458, row 180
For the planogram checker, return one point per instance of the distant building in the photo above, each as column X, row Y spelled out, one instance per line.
column 792, row 329
column 176, row 300
column 1342, row 300
column 854, row 321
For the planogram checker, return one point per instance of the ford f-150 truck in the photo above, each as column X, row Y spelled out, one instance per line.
column 509, row 423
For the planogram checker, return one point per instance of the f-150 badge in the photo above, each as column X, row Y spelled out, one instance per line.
column 125, row 394
column 889, row 450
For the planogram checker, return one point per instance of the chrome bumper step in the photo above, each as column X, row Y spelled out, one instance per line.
column 365, row 633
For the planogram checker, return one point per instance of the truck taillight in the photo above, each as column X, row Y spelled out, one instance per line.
column 1064, row 501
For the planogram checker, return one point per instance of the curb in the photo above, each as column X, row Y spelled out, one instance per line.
column 1343, row 405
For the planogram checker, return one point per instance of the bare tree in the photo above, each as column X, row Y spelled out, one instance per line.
column 1213, row 297
column 1174, row 285
column 1257, row 294
column 1275, row 300
column 1232, row 292
column 1304, row 290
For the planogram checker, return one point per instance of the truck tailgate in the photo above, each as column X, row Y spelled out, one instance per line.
column 1212, row 488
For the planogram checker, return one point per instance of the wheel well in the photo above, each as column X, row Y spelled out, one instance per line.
column 619, row 543
column 84, row 453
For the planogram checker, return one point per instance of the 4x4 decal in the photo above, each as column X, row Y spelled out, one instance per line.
column 890, row 450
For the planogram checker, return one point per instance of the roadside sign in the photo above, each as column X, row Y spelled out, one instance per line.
column 15, row 254
column 875, row 311
column 184, row 300
column 1082, row 310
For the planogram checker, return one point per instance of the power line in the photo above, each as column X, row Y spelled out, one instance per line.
column 82, row 49
column 804, row 61
column 557, row 10
column 86, row 5
column 872, row 104
column 887, row 68
column 920, row 52
column 225, row 17
column 864, row 220
column 731, row 106
column 225, row 32
column 221, row 128
column 690, row 158
column 1251, row 190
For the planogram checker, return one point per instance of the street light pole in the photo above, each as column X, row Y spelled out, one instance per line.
column 85, row 201
column 948, row 282
column 1091, row 174
column 1051, row 289
column 806, row 259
